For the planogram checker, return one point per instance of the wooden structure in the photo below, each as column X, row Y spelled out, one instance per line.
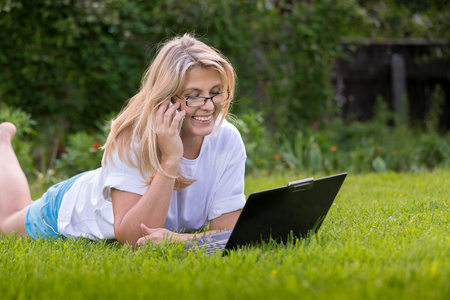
column 393, row 69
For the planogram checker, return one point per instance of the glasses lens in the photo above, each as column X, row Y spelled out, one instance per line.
column 219, row 98
column 195, row 101
column 200, row 101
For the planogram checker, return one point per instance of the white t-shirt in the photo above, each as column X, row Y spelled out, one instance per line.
column 86, row 208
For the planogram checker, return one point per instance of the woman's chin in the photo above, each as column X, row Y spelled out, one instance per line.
column 199, row 128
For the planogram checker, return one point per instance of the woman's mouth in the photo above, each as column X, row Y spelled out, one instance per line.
column 202, row 118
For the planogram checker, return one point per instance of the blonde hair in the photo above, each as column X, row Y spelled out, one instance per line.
column 164, row 78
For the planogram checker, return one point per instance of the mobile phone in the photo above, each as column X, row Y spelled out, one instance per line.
column 180, row 127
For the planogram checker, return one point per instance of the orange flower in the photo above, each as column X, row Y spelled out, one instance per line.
column 377, row 149
column 334, row 148
column 95, row 145
column 277, row 156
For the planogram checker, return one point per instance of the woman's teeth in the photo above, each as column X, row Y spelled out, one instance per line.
column 203, row 119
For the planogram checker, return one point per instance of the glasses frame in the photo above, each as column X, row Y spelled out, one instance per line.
column 205, row 99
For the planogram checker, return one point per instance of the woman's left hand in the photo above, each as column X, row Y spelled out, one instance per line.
column 157, row 235
column 168, row 136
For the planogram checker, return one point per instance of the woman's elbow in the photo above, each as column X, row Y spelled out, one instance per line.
column 123, row 237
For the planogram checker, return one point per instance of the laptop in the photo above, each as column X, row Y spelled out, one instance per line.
column 280, row 214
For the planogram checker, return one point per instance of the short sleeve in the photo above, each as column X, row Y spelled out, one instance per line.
column 121, row 176
column 229, row 193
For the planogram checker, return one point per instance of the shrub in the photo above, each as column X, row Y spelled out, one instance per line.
column 260, row 155
column 73, row 62
column 67, row 62
column 83, row 153
column 365, row 147
column 436, row 110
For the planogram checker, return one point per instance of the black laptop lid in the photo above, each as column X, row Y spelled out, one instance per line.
column 297, row 208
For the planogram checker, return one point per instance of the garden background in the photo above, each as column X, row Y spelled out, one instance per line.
column 68, row 66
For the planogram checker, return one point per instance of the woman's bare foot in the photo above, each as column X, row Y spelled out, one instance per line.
column 7, row 130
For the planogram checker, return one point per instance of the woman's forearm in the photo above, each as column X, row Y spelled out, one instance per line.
column 161, row 235
column 150, row 209
column 158, row 235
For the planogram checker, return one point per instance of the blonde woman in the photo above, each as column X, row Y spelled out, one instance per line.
column 154, row 183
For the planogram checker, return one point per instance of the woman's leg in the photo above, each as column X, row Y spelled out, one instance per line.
column 15, row 196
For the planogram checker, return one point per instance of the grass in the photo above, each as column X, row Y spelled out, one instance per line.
column 387, row 236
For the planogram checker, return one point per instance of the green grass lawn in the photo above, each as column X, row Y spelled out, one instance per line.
column 387, row 236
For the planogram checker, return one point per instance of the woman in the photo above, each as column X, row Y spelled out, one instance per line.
column 154, row 183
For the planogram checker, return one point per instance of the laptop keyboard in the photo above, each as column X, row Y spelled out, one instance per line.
column 211, row 248
column 210, row 242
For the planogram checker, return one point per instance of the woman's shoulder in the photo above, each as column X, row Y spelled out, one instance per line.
column 226, row 138
column 227, row 129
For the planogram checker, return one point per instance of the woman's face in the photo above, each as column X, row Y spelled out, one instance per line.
column 199, row 121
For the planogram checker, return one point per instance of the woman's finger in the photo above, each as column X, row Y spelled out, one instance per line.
column 161, row 110
column 145, row 230
column 170, row 113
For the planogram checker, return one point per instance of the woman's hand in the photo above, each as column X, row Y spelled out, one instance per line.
column 157, row 235
column 169, row 141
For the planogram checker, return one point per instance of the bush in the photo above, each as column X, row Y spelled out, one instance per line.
column 260, row 156
column 68, row 63
column 73, row 62
column 365, row 147
column 83, row 153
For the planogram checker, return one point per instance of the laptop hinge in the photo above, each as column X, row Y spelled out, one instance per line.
column 300, row 185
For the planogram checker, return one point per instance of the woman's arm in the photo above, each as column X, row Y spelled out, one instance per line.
column 225, row 221
column 131, row 210
column 158, row 235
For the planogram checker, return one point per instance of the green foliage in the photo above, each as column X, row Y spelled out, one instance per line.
column 431, row 151
column 295, row 46
column 304, row 154
column 66, row 62
column 379, row 165
column 83, row 152
column 73, row 62
column 436, row 109
column 406, row 18
column 256, row 140
column 293, row 153
column 385, row 237
column 338, row 147
column 365, row 147
column 378, row 145
column 25, row 130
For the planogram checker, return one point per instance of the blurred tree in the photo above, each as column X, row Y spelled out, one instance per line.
column 71, row 62
column 407, row 18
column 67, row 62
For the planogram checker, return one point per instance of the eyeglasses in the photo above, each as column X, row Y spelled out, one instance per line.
column 197, row 101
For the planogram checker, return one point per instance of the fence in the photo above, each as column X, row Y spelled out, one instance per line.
column 393, row 69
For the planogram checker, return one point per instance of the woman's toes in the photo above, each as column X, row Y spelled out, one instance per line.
column 8, row 128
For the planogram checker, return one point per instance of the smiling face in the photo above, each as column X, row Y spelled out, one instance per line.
column 199, row 122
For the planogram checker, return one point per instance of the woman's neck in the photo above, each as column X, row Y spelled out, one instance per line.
column 192, row 147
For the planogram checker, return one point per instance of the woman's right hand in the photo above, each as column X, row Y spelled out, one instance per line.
column 157, row 236
column 168, row 137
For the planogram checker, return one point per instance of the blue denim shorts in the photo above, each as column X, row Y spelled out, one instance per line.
column 42, row 215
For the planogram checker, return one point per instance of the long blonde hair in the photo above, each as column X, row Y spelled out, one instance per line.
column 164, row 78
